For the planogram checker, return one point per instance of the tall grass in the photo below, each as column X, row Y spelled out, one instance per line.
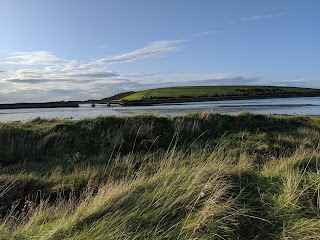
column 202, row 176
column 173, row 202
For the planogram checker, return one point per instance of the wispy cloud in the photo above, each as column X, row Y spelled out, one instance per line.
column 36, row 58
column 153, row 49
column 200, row 34
column 42, row 80
column 60, row 75
column 261, row 17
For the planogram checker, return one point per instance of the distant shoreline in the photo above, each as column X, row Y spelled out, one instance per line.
column 151, row 102
column 39, row 105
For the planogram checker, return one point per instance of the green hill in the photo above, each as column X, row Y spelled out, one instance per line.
column 216, row 91
column 117, row 96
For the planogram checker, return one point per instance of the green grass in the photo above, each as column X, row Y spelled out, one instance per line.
column 202, row 176
column 215, row 91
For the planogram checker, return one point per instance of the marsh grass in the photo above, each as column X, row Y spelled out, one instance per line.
column 203, row 176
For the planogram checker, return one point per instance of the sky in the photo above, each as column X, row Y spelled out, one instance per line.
column 52, row 50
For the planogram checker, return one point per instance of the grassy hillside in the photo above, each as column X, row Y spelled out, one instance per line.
column 203, row 176
column 118, row 96
column 215, row 91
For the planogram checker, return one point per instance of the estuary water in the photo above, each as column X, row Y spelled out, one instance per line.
column 290, row 106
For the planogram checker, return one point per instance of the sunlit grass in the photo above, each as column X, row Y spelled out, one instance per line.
column 203, row 176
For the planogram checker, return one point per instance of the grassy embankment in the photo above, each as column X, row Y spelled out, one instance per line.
column 203, row 176
column 216, row 91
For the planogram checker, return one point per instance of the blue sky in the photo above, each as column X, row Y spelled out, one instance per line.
column 71, row 50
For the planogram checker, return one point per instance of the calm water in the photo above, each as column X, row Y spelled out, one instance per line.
column 291, row 106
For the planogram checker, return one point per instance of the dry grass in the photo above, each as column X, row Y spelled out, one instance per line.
column 204, row 176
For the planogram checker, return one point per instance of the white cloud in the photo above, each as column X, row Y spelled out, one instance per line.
column 200, row 34
column 252, row 18
column 261, row 17
column 49, row 59
column 151, row 50
column 59, row 74
column 102, row 89
column 36, row 58
column 46, row 77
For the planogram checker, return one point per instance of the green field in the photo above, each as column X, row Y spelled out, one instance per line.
column 215, row 91
column 201, row 176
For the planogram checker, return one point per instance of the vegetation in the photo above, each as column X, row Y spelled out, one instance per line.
column 216, row 91
column 202, row 176
column 118, row 96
